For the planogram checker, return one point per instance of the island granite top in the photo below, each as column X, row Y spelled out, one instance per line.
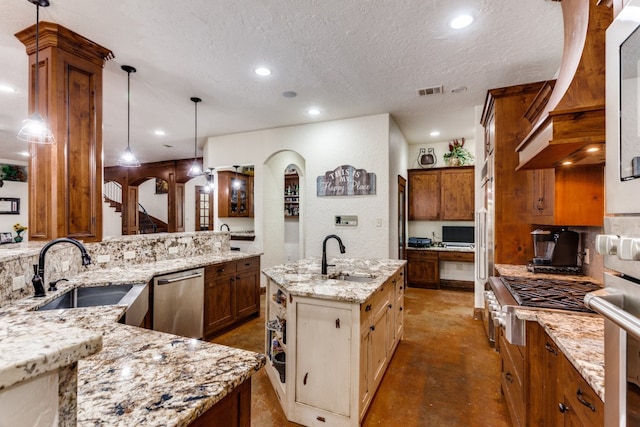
column 304, row 278
column 141, row 377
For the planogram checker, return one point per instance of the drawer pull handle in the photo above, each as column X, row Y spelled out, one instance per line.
column 550, row 349
column 220, row 270
column 304, row 381
column 337, row 323
column 562, row 407
column 368, row 307
column 581, row 399
column 321, row 419
column 509, row 377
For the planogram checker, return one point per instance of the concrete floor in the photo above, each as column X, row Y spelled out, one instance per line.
column 444, row 373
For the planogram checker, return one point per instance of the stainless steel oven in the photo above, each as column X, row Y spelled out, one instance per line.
column 619, row 301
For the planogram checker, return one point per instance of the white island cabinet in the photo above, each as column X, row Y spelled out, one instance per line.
column 329, row 341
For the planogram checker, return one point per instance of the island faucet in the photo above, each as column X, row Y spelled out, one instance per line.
column 38, row 270
column 225, row 225
column 324, row 251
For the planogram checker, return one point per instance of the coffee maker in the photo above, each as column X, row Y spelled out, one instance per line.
column 558, row 248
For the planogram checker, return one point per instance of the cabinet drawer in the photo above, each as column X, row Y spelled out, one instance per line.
column 248, row 264
column 382, row 297
column 219, row 270
column 512, row 384
column 419, row 255
column 457, row 256
column 366, row 308
column 582, row 401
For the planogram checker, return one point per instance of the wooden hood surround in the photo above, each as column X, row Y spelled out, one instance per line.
column 573, row 118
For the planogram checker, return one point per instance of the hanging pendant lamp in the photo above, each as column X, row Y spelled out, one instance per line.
column 236, row 182
column 128, row 159
column 35, row 129
column 195, row 169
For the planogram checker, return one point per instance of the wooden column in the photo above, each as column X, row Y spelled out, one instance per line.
column 65, row 179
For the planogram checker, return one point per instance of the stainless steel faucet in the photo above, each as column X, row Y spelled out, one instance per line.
column 324, row 251
column 225, row 225
column 38, row 270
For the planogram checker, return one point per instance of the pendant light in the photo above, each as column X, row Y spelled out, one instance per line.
column 35, row 129
column 210, row 180
column 195, row 169
column 236, row 182
column 128, row 159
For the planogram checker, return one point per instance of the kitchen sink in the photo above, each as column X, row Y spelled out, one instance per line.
column 135, row 297
column 353, row 278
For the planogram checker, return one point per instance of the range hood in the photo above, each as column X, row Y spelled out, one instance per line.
column 568, row 115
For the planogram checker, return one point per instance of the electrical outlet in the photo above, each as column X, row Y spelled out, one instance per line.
column 104, row 258
column 129, row 255
column 217, row 244
column 586, row 256
column 18, row 283
column 379, row 222
column 65, row 266
column 174, row 250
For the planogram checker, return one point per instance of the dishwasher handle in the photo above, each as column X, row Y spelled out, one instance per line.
column 178, row 279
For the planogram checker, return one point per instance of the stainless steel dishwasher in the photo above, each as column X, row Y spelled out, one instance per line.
column 178, row 303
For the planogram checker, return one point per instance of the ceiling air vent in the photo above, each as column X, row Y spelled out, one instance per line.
column 433, row 90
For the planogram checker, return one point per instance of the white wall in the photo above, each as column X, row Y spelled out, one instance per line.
column 440, row 148
column 19, row 190
column 111, row 221
column 398, row 164
column 155, row 204
column 362, row 142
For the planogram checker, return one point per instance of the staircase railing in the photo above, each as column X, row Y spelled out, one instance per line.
column 112, row 191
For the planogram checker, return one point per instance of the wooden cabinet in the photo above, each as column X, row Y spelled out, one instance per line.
column 235, row 194
column 507, row 190
column 232, row 294
column 423, row 269
column 512, row 379
column 579, row 405
column 544, row 367
column 445, row 194
column 234, row 410
column 424, row 195
column 568, row 196
column 541, row 387
column 291, row 196
column 457, row 194
column 336, row 352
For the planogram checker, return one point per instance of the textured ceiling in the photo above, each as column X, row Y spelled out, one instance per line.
column 349, row 58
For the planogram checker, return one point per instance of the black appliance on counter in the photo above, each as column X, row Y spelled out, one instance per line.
column 462, row 236
column 419, row 242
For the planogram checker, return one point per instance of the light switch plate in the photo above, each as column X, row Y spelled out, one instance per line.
column 65, row 266
column 174, row 250
column 104, row 258
column 129, row 254
column 346, row 220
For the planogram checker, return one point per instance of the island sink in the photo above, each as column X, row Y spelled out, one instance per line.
column 348, row 278
column 135, row 297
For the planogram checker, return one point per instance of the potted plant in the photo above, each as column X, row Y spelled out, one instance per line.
column 458, row 155
column 19, row 229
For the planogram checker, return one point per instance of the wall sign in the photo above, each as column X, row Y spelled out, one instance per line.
column 346, row 180
column 9, row 205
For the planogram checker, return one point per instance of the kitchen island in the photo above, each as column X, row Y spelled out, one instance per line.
column 140, row 377
column 330, row 338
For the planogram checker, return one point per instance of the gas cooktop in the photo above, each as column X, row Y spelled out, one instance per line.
column 550, row 293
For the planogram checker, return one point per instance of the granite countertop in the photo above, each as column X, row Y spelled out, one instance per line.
column 140, row 377
column 443, row 249
column 581, row 339
column 303, row 277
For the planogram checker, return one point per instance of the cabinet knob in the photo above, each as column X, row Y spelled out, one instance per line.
column 562, row 407
column 368, row 307
column 509, row 377
column 390, row 306
column 550, row 348
column 372, row 327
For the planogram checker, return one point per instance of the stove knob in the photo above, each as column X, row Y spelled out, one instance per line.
column 607, row 244
column 629, row 249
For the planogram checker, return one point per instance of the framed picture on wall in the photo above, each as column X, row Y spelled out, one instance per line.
column 6, row 238
column 9, row 205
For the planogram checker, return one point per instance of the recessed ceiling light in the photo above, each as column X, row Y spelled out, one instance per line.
column 567, row 163
column 435, row 133
column 592, row 149
column 263, row 71
column 289, row 94
column 313, row 111
column 24, row 153
column 159, row 132
column 461, row 21
column 8, row 89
